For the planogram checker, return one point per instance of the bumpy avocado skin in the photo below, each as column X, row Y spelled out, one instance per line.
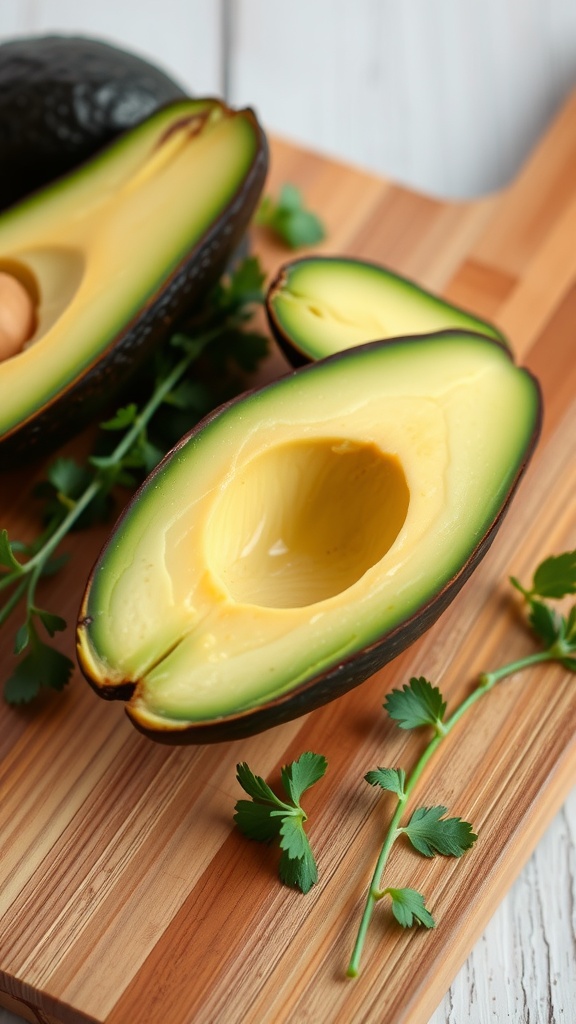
column 76, row 405
column 62, row 98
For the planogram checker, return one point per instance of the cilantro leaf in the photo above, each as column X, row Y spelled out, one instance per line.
column 300, row 873
column 408, row 907
column 67, row 477
column 303, row 773
column 255, row 822
column 417, row 703
column 544, row 621
column 293, row 837
column 556, row 576
column 245, row 284
column 267, row 817
column 570, row 626
column 22, row 638
column 431, row 833
column 123, row 418
column 52, row 623
column 255, row 786
column 289, row 219
column 391, row 779
column 43, row 666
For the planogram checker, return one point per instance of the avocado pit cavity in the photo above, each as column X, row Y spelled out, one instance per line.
column 304, row 521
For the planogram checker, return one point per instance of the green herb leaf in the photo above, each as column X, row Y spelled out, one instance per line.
column 289, row 219
column 123, row 418
column 408, row 907
column 431, row 833
column 245, row 284
column 391, row 779
column 417, row 703
column 300, row 873
column 303, row 773
column 255, row 822
column 67, row 477
column 44, row 666
column 556, row 576
column 22, row 638
column 7, row 557
column 52, row 623
column 255, row 786
column 293, row 838
column 269, row 817
column 544, row 621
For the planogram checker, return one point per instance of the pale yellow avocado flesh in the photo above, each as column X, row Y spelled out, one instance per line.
column 324, row 305
column 304, row 522
column 93, row 249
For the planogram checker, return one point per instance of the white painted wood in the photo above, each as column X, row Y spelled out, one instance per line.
column 523, row 970
column 181, row 36
column 446, row 96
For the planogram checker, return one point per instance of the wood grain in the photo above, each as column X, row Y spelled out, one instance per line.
column 125, row 894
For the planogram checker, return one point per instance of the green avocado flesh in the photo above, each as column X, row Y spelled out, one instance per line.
column 321, row 305
column 301, row 524
column 99, row 248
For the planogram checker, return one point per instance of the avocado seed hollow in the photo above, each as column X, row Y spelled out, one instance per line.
column 304, row 521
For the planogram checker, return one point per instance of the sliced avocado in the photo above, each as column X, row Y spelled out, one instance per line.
column 305, row 534
column 114, row 254
column 320, row 305
column 62, row 98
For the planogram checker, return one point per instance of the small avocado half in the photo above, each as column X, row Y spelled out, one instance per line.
column 319, row 305
column 62, row 98
column 114, row 254
column 306, row 533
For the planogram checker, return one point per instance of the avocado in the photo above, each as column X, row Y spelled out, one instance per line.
column 114, row 254
column 320, row 305
column 62, row 98
column 306, row 533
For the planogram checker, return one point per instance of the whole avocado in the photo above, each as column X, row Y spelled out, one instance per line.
column 62, row 98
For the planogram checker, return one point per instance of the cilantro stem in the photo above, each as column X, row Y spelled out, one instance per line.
column 485, row 683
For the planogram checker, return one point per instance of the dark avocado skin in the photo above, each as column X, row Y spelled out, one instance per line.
column 62, row 98
column 340, row 678
column 107, row 375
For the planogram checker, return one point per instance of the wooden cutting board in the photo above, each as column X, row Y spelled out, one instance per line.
column 127, row 896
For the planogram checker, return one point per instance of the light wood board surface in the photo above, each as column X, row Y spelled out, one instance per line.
column 126, row 895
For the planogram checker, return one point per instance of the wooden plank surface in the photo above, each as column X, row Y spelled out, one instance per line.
column 126, row 895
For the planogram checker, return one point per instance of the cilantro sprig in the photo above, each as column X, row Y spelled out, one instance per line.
column 75, row 495
column 419, row 705
column 289, row 219
column 266, row 817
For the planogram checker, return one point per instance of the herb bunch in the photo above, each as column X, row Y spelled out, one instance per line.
column 199, row 368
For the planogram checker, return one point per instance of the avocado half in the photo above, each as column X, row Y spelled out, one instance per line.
column 62, row 98
column 306, row 533
column 319, row 305
column 113, row 255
